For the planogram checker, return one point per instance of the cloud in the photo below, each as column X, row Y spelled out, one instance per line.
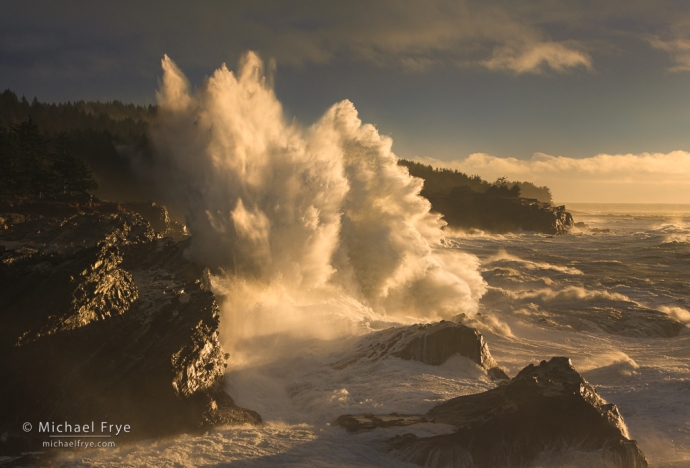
column 532, row 58
column 673, row 37
column 48, row 46
column 678, row 49
column 501, row 36
column 420, row 35
column 411, row 34
column 619, row 178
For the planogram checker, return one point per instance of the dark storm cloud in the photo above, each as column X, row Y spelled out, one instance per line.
column 54, row 55
column 90, row 39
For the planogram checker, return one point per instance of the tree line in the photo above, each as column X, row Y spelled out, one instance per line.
column 444, row 182
column 71, row 148
column 123, row 121
column 51, row 149
column 32, row 165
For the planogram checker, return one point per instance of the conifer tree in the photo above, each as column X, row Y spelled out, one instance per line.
column 74, row 174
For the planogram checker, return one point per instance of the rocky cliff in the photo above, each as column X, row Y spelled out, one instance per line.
column 104, row 319
column 464, row 210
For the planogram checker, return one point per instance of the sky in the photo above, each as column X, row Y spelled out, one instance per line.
column 590, row 98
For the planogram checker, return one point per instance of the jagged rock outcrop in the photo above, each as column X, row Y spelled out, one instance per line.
column 466, row 211
column 544, row 411
column 430, row 343
column 158, row 217
column 103, row 320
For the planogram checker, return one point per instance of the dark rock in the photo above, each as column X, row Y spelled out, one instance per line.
column 365, row 422
column 463, row 210
column 428, row 343
column 496, row 373
column 159, row 219
column 547, row 408
column 100, row 320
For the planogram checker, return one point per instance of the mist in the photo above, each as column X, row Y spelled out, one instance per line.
column 309, row 231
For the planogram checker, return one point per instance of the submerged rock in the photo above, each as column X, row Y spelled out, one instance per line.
column 101, row 320
column 365, row 422
column 431, row 344
column 544, row 411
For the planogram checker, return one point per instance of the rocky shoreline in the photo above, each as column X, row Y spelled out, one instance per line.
column 103, row 318
column 501, row 215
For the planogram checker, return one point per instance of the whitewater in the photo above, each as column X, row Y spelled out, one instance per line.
column 316, row 238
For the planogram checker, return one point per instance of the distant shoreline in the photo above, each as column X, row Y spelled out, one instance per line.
column 647, row 208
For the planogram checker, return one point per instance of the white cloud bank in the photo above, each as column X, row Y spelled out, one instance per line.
column 605, row 178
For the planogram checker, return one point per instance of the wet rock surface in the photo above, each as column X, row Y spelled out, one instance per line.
column 365, row 422
column 431, row 344
column 158, row 217
column 546, row 409
column 102, row 319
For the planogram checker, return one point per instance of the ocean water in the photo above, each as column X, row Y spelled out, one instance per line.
column 603, row 299
column 613, row 296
